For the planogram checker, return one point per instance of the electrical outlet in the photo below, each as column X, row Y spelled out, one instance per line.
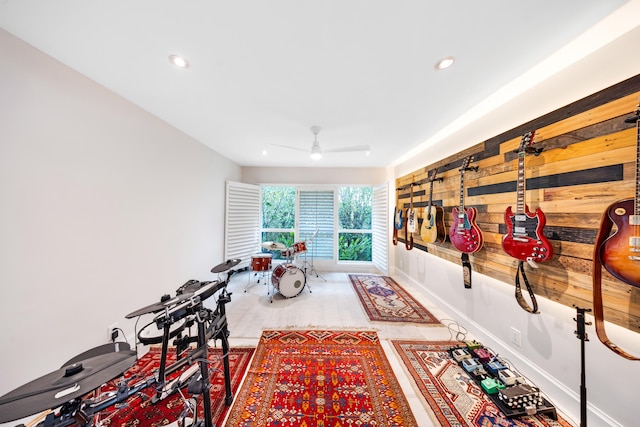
column 516, row 337
column 110, row 331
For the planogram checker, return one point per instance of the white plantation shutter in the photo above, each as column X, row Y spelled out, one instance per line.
column 242, row 222
column 380, row 222
column 317, row 211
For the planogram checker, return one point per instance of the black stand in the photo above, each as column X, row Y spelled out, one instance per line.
column 582, row 335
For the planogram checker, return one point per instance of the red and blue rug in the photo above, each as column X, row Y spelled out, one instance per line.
column 454, row 398
column 139, row 410
column 320, row 379
column 384, row 300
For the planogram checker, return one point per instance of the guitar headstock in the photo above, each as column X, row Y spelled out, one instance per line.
column 526, row 141
column 636, row 118
column 433, row 175
column 466, row 162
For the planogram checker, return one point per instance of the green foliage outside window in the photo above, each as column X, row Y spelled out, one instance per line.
column 278, row 207
column 355, row 208
column 354, row 246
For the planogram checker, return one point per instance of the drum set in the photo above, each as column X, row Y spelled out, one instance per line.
column 62, row 394
column 288, row 279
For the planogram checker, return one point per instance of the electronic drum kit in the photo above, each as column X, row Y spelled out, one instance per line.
column 62, row 393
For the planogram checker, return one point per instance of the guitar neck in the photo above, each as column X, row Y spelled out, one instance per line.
column 461, row 191
column 521, row 187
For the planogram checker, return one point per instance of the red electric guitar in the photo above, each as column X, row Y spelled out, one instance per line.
column 524, row 239
column 464, row 233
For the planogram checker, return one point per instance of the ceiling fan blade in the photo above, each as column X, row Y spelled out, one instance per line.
column 290, row 147
column 347, row 149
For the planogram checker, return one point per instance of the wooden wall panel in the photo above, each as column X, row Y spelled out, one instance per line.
column 588, row 162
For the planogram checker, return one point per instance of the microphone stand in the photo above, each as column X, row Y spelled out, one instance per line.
column 582, row 335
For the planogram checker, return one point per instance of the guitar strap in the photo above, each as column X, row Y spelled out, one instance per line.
column 598, row 311
column 395, row 235
column 466, row 270
column 525, row 306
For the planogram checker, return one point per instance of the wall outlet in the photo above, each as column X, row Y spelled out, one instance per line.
column 516, row 337
column 110, row 331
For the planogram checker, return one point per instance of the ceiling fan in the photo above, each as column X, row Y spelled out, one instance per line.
column 316, row 151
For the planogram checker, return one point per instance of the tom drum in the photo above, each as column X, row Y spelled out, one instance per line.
column 299, row 247
column 151, row 334
column 288, row 279
column 261, row 262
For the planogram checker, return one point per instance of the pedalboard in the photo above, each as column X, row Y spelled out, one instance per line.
column 510, row 391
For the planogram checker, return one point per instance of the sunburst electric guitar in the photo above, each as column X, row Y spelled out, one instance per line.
column 465, row 235
column 619, row 252
column 433, row 229
column 524, row 239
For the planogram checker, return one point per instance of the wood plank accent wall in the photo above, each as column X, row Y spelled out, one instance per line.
column 587, row 162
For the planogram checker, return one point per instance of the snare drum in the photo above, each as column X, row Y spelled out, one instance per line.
column 151, row 334
column 261, row 262
column 300, row 247
column 288, row 279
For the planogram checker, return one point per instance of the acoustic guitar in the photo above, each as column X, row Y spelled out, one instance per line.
column 524, row 239
column 433, row 229
column 465, row 235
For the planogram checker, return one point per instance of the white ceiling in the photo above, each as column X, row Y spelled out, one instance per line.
column 264, row 72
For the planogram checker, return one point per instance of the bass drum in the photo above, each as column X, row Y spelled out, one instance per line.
column 289, row 280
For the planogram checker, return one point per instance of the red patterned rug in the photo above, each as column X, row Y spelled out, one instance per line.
column 454, row 398
column 320, row 379
column 139, row 410
column 383, row 299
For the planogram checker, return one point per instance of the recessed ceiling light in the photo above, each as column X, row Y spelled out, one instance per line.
column 178, row 61
column 264, row 152
column 445, row 63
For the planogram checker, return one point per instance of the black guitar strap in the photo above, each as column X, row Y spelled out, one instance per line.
column 466, row 270
column 525, row 306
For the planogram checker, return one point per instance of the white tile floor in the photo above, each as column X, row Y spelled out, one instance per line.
column 331, row 304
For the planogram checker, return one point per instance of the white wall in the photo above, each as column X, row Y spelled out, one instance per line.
column 104, row 208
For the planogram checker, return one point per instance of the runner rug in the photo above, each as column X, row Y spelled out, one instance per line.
column 140, row 411
column 320, row 379
column 454, row 398
column 383, row 299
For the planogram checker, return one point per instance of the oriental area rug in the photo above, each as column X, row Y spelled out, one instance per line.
column 454, row 398
column 139, row 410
column 384, row 300
column 320, row 379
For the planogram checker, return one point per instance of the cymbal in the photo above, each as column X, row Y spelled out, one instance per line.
column 226, row 265
column 63, row 385
column 165, row 301
column 274, row 246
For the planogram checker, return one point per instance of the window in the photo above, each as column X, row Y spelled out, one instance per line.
column 343, row 223
column 278, row 215
column 354, row 224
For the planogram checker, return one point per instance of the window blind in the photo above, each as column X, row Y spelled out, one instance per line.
column 317, row 211
column 242, row 221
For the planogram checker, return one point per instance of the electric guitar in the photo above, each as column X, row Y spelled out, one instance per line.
column 411, row 215
column 620, row 252
column 465, row 235
column 524, row 239
column 433, row 229
column 398, row 221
